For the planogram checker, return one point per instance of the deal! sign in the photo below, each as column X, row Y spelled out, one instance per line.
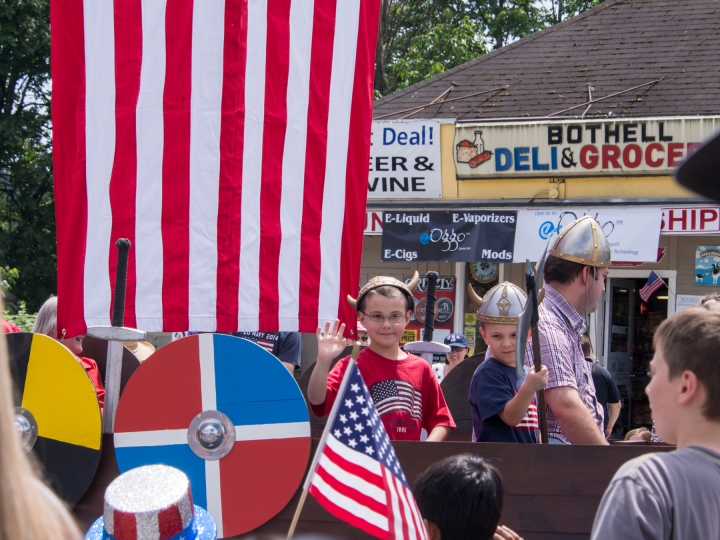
column 637, row 146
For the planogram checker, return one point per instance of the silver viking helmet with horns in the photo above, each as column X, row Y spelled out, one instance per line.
column 383, row 281
column 503, row 304
column 583, row 242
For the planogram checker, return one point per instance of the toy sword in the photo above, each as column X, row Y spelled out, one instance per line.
column 529, row 321
column 115, row 335
column 427, row 347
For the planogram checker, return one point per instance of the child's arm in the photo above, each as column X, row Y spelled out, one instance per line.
column 438, row 434
column 517, row 407
column 330, row 344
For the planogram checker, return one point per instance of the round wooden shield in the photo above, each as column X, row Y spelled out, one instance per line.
column 97, row 350
column 228, row 414
column 456, row 388
column 52, row 386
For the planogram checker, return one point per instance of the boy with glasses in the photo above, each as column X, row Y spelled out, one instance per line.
column 406, row 394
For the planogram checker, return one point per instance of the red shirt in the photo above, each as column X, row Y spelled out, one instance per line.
column 406, row 394
column 9, row 328
column 91, row 368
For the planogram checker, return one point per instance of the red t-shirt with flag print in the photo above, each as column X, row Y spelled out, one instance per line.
column 406, row 394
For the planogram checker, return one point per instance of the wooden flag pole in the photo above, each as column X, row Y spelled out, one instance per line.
column 321, row 445
column 296, row 517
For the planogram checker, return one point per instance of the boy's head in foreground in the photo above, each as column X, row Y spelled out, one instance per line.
column 498, row 313
column 384, row 307
column 460, row 498
column 684, row 390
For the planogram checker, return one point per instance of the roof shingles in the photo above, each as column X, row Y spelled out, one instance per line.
column 614, row 46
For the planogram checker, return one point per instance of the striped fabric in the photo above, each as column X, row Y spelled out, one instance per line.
column 356, row 475
column 229, row 141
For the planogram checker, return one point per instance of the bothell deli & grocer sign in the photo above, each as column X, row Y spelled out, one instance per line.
column 632, row 146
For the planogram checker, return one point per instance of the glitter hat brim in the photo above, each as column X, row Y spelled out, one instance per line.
column 203, row 526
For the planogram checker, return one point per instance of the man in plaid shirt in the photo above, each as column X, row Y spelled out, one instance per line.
column 574, row 275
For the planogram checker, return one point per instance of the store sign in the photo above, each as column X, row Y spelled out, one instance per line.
column 705, row 220
column 482, row 235
column 444, row 306
column 405, row 160
column 683, row 301
column 641, row 146
column 707, row 265
column 633, row 233
column 373, row 224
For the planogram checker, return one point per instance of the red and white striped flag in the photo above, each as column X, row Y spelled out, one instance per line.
column 229, row 141
column 356, row 475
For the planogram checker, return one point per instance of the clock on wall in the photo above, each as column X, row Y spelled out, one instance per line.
column 484, row 272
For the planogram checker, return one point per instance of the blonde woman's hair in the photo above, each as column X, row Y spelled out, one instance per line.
column 28, row 509
column 46, row 321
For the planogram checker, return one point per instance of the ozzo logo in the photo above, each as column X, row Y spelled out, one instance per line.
column 547, row 228
column 450, row 240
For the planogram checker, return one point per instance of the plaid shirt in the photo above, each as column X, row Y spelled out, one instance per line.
column 560, row 329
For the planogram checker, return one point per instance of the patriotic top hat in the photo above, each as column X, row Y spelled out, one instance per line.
column 152, row 503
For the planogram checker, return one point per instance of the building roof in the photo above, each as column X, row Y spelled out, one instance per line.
column 613, row 47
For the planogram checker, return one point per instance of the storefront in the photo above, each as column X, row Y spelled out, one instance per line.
column 547, row 173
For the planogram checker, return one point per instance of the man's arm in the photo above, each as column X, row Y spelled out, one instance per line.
column 613, row 413
column 573, row 417
column 290, row 367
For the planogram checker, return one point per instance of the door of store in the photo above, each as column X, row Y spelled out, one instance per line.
column 629, row 326
column 621, row 325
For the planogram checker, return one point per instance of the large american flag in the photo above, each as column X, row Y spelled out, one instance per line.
column 356, row 475
column 229, row 141
column 654, row 282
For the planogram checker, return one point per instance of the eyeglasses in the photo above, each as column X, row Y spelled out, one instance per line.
column 457, row 349
column 363, row 338
column 395, row 318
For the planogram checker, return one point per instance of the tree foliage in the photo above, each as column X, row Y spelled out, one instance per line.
column 27, row 216
column 421, row 38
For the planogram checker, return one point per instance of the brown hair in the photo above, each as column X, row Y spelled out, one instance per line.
column 586, row 345
column 643, row 432
column 559, row 270
column 690, row 341
column 388, row 291
column 28, row 509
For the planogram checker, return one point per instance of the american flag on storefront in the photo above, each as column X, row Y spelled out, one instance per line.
column 355, row 474
column 654, row 282
column 229, row 141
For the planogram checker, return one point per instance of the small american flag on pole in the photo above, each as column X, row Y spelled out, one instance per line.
column 654, row 282
column 356, row 475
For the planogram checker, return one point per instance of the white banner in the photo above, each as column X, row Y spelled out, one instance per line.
column 633, row 233
column 405, row 160
column 588, row 147
column 693, row 220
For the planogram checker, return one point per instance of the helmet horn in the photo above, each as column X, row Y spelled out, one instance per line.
column 474, row 296
column 414, row 281
column 351, row 301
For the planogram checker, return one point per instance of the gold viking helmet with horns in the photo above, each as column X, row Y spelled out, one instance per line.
column 583, row 242
column 503, row 304
column 382, row 281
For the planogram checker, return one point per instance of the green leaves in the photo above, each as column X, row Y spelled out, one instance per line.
column 27, row 215
column 421, row 38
